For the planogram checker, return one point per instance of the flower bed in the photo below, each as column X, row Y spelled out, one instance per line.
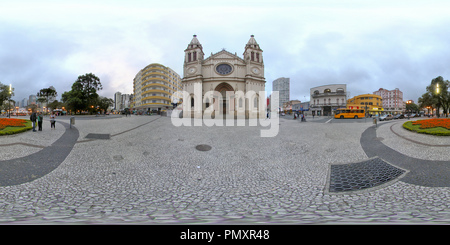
column 433, row 123
column 435, row 126
column 13, row 125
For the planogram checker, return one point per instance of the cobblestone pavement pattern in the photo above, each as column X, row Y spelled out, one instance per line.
column 143, row 170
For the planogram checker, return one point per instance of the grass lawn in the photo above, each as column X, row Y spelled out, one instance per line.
column 8, row 130
column 437, row 130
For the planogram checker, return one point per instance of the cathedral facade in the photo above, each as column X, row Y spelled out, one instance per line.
column 223, row 84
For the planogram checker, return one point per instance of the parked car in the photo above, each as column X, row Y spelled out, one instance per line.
column 399, row 116
column 386, row 117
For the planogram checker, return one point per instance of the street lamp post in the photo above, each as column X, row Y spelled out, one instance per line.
column 9, row 101
column 437, row 92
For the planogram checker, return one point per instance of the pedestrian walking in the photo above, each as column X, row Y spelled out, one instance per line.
column 40, row 118
column 33, row 119
column 52, row 121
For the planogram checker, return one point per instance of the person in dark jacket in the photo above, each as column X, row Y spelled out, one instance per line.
column 40, row 118
column 33, row 118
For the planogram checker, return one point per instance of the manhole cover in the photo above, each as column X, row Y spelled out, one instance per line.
column 362, row 175
column 203, row 147
column 98, row 136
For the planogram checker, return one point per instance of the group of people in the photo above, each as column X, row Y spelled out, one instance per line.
column 302, row 116
column 39, row 118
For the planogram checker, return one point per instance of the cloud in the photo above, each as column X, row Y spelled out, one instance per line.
column 365, row 44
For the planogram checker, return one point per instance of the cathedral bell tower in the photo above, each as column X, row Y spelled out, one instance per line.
column 193, row 58
column 253, row 58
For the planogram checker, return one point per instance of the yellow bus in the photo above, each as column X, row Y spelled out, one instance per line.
column 349, row 113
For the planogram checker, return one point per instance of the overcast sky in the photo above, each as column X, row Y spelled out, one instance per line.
column 365, row 44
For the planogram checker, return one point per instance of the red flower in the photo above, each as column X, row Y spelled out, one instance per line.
column 11, row 122
column 433, row 123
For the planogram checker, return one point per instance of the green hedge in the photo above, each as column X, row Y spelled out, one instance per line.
column 439, row 131
column 16, row 130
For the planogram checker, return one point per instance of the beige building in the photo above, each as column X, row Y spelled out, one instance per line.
column 153, row 88
column 223, row 83
column 327, row 98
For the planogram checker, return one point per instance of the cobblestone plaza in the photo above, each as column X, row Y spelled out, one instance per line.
column 144, row 170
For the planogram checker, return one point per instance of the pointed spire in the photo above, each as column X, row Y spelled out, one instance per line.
column 195, row 40
column 252, row 43
column 252, row 40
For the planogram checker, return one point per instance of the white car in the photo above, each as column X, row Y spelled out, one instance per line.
column 386, row 117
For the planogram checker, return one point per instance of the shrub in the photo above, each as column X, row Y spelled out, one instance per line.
column 439, row 127
column 13, row 126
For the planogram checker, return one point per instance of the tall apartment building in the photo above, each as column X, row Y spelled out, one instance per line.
column 282, row 85
column 122, row 101
column 154, row 86
column 392, row 100
column 32, row 100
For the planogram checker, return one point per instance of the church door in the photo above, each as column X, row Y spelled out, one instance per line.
column 225, row 102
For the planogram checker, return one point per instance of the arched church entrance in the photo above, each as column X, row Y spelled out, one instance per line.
column 226, row 104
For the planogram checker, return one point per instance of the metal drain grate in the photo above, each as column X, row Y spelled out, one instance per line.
column 98, row 136
column 362, row 175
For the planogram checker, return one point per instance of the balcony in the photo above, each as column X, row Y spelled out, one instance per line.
column 319, row 95
column 319, row 105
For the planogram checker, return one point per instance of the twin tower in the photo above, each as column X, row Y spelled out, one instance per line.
column 223, row 84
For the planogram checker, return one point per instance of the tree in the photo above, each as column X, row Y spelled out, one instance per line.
column 55, row 104
column 44, row 94
column 74, row 99
column 412, row 107
column 5, row 93
column 90, row 84
column 427, row 101
column 438, row 91
column 437, row 96
column 83, row 94
column 103, row 103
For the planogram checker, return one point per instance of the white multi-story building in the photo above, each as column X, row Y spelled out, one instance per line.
column 153, row 88
column 122, row 101
column 326, row 99
column 282, row 85
column 392, row 100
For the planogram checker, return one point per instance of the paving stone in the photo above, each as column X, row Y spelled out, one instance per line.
column 244, row 179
